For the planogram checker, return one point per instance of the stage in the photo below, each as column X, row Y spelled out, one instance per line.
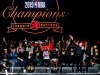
column 50, row 74
column 42, row 71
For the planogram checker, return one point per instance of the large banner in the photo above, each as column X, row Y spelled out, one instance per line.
column 33, row 18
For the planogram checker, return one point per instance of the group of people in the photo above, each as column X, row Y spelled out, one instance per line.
column 71, row 52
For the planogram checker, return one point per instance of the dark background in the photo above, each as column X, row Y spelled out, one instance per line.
column 82, row 21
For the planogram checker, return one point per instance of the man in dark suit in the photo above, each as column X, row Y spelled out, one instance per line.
column 78, row 52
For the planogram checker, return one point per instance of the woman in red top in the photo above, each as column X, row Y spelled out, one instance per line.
column 51, row 44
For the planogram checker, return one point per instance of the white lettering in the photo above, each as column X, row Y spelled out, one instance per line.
column 35, row 4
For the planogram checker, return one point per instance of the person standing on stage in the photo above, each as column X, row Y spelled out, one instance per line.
column 78, row 53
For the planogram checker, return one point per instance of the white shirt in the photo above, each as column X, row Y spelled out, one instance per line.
column 46, row 55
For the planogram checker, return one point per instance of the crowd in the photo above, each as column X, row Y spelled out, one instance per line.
column 64, row 52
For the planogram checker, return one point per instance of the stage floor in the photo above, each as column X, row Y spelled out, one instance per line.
column 45, row 71
column 49, row 73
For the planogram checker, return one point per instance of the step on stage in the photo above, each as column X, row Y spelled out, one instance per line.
column 45, row 71
column 49, row 73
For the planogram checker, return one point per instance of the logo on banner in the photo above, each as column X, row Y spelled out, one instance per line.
column 33, row 17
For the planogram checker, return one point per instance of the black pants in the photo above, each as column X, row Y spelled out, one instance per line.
column 46, row 62
column 79, row 62
column 62, row 59
column 1, row 67
column 88, row 64
column 71, row 59
column 30, row 62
